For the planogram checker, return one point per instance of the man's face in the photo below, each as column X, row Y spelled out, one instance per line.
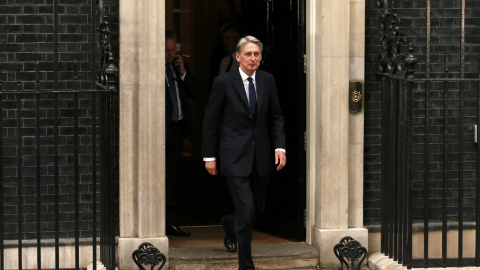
column 230, row 40
column 170, row 47
column 249, row 58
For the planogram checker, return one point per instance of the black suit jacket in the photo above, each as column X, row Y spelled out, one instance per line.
column 243, row 138
column 187, row 88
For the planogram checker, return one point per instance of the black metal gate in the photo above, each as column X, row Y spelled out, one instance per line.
column 58, row 138
column 430, row 162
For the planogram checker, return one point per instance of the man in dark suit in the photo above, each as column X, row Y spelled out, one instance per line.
column 245, row 102
column 179, row 87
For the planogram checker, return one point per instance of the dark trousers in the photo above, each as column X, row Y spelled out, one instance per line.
column 173, row 159
column 248, row 195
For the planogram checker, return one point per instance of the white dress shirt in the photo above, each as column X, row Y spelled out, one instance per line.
column 182, row 77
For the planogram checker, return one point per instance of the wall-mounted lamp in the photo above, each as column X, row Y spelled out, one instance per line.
column 355, row 96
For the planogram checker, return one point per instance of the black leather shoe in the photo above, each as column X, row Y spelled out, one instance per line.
column 176, row 231
column 230, row 241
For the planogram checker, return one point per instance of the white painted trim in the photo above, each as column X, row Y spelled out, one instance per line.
column 311, row 118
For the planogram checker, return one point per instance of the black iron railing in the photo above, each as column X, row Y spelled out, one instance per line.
column 57, row 150
column 430, row 163
column 401, row 165
column 396, row 163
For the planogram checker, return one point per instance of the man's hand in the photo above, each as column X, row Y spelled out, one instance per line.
column 211, row 167
column 178, row 63
column 280, row 159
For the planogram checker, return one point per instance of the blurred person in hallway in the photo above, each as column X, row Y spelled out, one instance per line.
column 179, row 87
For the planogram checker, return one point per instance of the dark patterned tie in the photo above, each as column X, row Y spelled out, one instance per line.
column 252, row 96
column 172, row 89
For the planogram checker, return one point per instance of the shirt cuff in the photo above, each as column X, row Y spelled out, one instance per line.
column 280, row 149
column 183, row 76
column 209, row 159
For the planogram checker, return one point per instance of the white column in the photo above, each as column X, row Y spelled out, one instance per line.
column 332, row 102
column 142, row 133
column 333, row 154
column 356, row 120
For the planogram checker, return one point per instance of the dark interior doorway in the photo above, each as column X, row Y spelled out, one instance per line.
column 280, row 25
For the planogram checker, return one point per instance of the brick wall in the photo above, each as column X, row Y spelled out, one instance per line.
column 26, row 36
column 445, row 25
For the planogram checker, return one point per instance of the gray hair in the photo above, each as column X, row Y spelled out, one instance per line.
column 243, row 41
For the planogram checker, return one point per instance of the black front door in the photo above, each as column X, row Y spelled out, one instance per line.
column 280, row 25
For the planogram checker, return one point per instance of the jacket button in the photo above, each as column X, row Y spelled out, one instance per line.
column 253, row 143
column 250, row 116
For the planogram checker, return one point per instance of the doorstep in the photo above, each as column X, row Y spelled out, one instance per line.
column 295, row 255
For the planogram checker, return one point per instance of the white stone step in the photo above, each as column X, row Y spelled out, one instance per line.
column 289, row 256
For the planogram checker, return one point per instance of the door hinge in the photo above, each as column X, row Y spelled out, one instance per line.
column 304, row 63
column 305, row 141
column 304, row 218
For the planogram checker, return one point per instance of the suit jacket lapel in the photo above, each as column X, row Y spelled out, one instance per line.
column 239, row 87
